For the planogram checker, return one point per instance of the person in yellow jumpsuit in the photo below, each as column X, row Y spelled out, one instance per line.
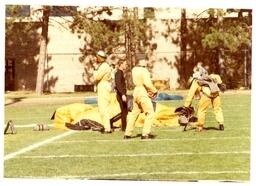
column 207, row 97
column 143, row 92
column 102, row 78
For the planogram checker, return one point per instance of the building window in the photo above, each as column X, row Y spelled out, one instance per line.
column 63, row 10
column 17, row 10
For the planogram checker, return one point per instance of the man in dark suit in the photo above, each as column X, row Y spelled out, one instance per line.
column 121, row 90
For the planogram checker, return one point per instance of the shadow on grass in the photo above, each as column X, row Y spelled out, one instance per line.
column 205, row 128
column 211, row 128
column 14, row 100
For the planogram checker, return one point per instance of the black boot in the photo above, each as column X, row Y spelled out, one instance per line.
column 148, row 136
column 127, row 137
column 221, row 127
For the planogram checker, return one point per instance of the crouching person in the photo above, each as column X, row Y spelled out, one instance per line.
column 143, row 92
column 209, row 90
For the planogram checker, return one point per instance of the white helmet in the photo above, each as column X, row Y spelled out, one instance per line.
column 142, row 63
column 101, row 53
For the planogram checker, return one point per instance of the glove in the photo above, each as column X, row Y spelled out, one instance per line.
column 152, row 95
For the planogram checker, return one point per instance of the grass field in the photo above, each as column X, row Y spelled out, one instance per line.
column 173, row 155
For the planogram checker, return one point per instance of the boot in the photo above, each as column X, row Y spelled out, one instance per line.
column 127, row 137
column 221, row 127
column 148, row 136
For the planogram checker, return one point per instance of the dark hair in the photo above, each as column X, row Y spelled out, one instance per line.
column 222, row 87
column 121, row 61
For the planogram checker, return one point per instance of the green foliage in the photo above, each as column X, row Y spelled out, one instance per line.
column 12, row 15
column 17, row 10
column 149, row 12
column 229, row 34
column 98, row 33
column 136, row 29
column 106, row 34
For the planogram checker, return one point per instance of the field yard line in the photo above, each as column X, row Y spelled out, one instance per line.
column 31, row 125
column 129, row 155
column 140, row 174
column 36, row 145
column 51, row 125
column 161, row 173
column 163, row 139
column 178, row 128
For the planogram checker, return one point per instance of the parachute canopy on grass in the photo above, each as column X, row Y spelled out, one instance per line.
column 73, row 113
column 160, row 97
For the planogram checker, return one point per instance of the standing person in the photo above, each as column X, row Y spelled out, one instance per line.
column 209, row 94
column 102, row 78
column 143, row 92
column 121, row 91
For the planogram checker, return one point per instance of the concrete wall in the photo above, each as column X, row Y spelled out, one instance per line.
column 64, row 68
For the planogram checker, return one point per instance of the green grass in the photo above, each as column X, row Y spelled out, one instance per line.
column 173, row 155
column 32, row 94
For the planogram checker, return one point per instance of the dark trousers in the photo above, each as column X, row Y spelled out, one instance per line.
column 124, row 111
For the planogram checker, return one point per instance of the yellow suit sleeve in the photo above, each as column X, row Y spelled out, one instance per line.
column 103, row 70
column 147, row 82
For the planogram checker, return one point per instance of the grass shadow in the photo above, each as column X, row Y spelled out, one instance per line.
column 211, row 128
column 15, row 100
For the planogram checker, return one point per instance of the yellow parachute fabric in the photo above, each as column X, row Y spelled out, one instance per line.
column 72, row 113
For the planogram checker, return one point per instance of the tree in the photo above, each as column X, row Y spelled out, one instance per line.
column 127, row 33
column 136, row 39
column 98, row 32
column 43, row 51
column 15, row 12
column 21, row 31
column 21, row 35
column 229, row 36
column 227, row 33
column 183, row 48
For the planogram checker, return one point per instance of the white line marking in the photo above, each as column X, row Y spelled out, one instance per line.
column 141, row 174
column 180, row 129
column 166, row 173
column 163, row 139
column 31, row 125
column 36, row 145
column 131, row 155
column 158, row 127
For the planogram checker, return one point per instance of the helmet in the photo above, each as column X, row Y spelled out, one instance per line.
column 142, row 63
column 102, row 54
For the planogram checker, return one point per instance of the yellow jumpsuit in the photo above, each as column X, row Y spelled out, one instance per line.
column 102, row 78
column 141, row 101
column 205, row 100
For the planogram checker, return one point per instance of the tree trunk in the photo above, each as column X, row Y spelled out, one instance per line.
column 183, row 49
column 43, row 52
column 221, row 51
